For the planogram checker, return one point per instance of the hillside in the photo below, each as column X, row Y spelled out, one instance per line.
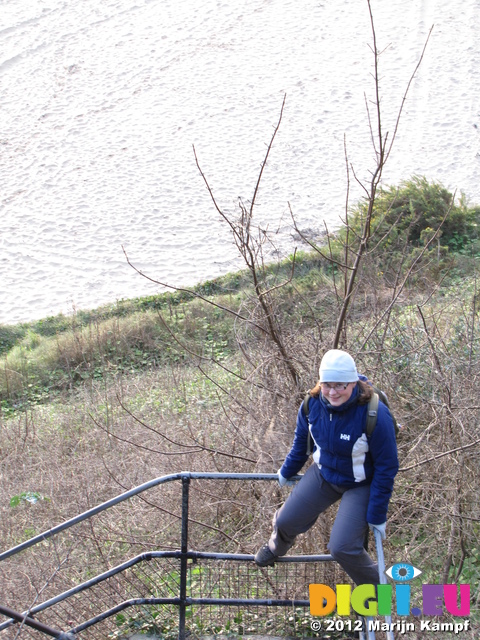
column 211, row 380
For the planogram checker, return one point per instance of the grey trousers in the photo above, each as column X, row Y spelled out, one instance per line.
column 310, row 497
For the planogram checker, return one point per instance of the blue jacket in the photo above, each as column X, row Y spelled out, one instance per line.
column 343, row 452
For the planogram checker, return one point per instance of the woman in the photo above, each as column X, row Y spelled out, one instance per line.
column 350, row 467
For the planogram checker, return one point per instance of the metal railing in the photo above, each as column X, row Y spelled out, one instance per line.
column 153, row 585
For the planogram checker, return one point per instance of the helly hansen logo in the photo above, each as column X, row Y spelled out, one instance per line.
column 344, row 436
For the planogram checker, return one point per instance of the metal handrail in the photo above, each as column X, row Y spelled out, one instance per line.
column 130, row 494
column 184, row 555
column 150, row 555
column 34, row 624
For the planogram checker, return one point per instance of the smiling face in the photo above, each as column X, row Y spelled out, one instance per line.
column 337, row 392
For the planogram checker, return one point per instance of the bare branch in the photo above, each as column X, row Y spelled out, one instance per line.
column 441, row 455
column 194, row 294
column 397, row 123
column 257, row 186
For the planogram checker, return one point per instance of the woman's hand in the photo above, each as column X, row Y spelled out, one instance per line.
column 282, row 481
column 381, row 528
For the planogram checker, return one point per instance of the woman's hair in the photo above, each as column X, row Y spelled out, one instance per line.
column 365, row 391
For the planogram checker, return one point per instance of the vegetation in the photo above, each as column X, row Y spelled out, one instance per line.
column 411, row 212
column 133, row 336
column 416, row 213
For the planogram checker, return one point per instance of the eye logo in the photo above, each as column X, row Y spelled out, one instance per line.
column 402, row 572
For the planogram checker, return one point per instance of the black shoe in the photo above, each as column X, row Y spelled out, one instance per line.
column 264, row 557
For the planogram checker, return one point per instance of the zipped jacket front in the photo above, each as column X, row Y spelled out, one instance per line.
column 344, row 454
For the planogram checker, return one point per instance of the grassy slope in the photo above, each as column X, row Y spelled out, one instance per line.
column 40, row 360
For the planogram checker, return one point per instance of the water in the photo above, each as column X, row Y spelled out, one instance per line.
column 102, row 102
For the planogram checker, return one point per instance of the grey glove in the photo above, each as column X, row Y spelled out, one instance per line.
column 381, row 528
column 282, row 481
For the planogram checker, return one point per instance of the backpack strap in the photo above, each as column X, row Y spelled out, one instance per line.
column 306, row 411
column 306, row 401
column 383, row 398
column 372, row 412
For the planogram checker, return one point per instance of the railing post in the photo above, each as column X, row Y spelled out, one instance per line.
column 183, row 559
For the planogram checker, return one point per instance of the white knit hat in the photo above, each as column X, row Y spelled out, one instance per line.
column 338, row 366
